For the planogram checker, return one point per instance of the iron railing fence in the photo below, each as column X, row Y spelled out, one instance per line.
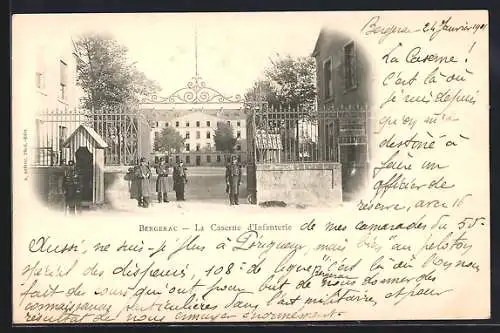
column 126, row 132
column 301, row 135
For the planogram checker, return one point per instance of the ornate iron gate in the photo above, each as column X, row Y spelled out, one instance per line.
column 127, row 134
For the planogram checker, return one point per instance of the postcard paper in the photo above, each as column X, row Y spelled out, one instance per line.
column 249, row 167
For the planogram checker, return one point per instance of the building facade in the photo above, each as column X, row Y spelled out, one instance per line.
column 197, row 126
column 343, row 88
column 51, row 88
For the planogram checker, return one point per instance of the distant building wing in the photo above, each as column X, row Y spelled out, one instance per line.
column 268, row 141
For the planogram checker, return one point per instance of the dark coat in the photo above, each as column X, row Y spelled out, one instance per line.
column 143, row 176
column 233, row 177
column 132, row 183
column 180, row 177
column 72, row 184
column 161, row 181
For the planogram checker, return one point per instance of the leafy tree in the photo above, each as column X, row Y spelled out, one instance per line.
column 224, row 138
column 106, row 76
column 168, row 139
column 288, row 81
column 111, row 84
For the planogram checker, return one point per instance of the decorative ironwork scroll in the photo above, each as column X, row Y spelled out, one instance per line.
column 195, row 92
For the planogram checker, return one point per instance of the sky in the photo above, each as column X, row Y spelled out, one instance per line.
column 233, row 48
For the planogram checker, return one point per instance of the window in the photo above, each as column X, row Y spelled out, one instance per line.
column 349, row 66
column 209, row 159
column 229, row 123
column 188, row 148
column 63, row 80
column 198, row 146
column 238, row 147
column 39, row 80
column 63, row 135
column 166, row 124
column 208, row 123
column 157, row 124
column 40, row 70
column 208, row 135
column 38, row 125
column 238, row 123
column 176, row 124
column 197, row 124
column 198, row 135
column 187, row 123
column 218, row 158
column 187, row 135
column 177, row 158
column 238, row 134
column 209, row 146
column 188, row 160
column 327, row 72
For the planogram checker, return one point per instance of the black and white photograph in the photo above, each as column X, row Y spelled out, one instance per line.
column 249, row 167
column 155, row 114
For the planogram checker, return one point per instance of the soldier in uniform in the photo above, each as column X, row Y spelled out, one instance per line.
column 180, row 180
column 132, row 183
column 233, row 180
column 72, row 189
column 161, row 181
column 143, row 176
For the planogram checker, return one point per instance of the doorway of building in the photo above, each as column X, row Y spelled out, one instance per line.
column 198, row 160
column 353, row 160
column 84, row 164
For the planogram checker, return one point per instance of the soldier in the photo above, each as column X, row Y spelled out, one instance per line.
column 161, row 181
column 72, row 189
column 143, row 175
column 132, row 183
column 233, row 180
column 180, row 179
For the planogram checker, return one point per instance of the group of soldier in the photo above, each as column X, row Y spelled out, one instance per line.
column 140, row 182
column 139, row 178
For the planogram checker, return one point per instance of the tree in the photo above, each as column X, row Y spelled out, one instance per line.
column 168, row 139
column 288, row 81
column 224, row 138
column 106, row 76
column 111, row 84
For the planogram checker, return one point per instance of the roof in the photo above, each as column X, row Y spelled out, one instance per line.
column 268, row 141
column 316, row 46
column 325, row 32
column 97, row 138
column 168, row 115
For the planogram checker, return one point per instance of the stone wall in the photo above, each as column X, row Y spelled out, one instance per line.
column 47, row 185
column 300, row 184
column 115, row 185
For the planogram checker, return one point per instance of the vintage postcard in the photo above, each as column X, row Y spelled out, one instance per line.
column 249, row 167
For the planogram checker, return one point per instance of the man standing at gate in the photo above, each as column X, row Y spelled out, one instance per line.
column 72, row 189
column 161, row 181
column 143, row 176
column 180, row 180
column 233, row 180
